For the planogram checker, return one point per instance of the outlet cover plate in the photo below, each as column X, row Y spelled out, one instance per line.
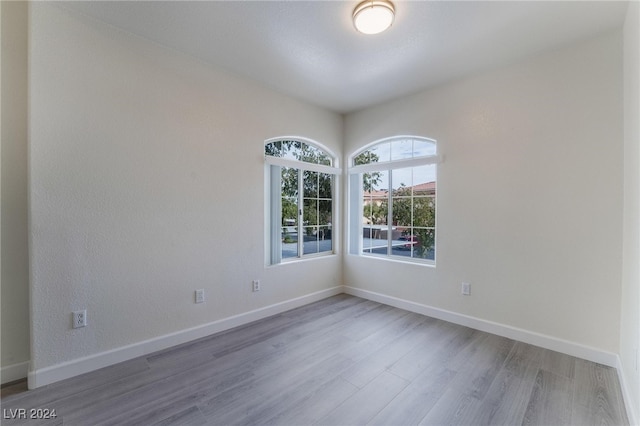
column 79, row 318
column 466, row 289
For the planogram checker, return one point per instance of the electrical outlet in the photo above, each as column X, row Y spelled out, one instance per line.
column 256, row 285
column 200, row 296
column 466, row 289
column 79, row 319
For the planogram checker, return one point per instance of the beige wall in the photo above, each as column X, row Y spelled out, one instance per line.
column 529, row 194
column 15, row 270
column 630, row 318
column 145, row 169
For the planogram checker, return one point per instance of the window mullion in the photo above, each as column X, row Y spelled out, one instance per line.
column 390, row 215
column 300, row 212
column 411, row 230
column 286, row 162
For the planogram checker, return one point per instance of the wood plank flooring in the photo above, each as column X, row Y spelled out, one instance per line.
column 340, row 361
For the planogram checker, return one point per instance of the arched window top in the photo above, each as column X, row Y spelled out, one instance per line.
column 298, row 150
column 395, row 149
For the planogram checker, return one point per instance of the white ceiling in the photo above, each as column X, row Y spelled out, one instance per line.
column 310, row 50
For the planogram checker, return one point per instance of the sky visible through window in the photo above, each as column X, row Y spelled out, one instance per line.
column 400, row 150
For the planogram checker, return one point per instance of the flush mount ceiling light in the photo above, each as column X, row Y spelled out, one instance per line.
column 373, row 16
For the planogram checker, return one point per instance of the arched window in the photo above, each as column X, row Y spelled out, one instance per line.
column 301, row 180
column 393, row 199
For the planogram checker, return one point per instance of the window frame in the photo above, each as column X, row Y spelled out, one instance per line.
column 273, row 200
column 355, row 197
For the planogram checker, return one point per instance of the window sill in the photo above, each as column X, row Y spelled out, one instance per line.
column 306, row 258
column 398, row 259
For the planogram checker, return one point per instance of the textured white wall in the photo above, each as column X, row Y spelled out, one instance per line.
column 529, row 194
column 147, row 183
column 630, row 319
column 15, row 270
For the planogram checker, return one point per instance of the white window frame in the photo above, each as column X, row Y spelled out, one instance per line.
column 273, row 200
column 356, row 195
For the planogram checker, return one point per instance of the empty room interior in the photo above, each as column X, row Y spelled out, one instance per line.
column 272, row 212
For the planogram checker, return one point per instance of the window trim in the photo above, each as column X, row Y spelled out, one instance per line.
column 355, row 195
column 302, row 165
column 273, row 200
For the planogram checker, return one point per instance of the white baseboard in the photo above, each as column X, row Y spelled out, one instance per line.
column 11, row 373
column 526, row 336
column 47, row 375
column 629, row 402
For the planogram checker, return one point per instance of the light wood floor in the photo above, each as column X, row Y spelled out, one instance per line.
column 340, row 361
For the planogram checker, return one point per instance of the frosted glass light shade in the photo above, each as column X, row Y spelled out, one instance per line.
column 373, row 16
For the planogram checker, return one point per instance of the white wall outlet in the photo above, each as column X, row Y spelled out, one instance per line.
column 79, row 319
column 200, row 296
column 466, row 289
column 255, row 285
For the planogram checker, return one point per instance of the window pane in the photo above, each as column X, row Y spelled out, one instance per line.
column 371, row 181
column 325, row 182
column 310, row 245
column 324, row 159
column 362, row 158
column 289, row 212
column 424, row 212
column 310, row 184
column 424, row 180
column 402, row 181
column 311, row 154
column 289, row 227
column 425, row 247
column 375, row 239
column 403, row 243
column 423, row 148
column 376, row 195
column 424, row 191
column 376, row 210
column 291, row 149
column 289, row 242
column 402, row 213
column 324, row 212
column 324, row 230
column 273, row 149
column 402, row 148
column 299, row 151
column 380, row 153
column 310, row 212
column 402, row 205
column 289, row 182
